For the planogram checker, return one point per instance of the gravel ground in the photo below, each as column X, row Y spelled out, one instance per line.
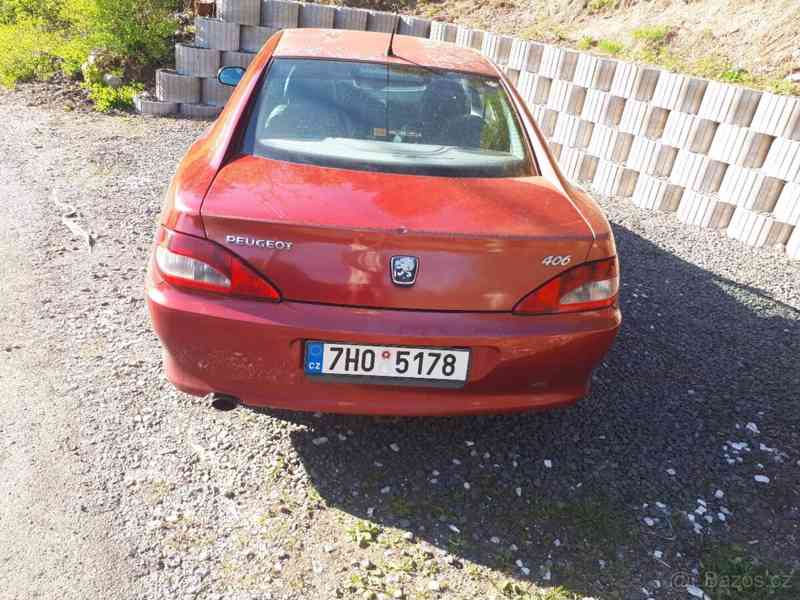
column 634, row 493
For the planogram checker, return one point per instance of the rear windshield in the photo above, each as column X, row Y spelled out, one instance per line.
column 379, row 117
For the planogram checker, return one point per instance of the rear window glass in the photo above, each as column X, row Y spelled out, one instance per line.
column 391, row 118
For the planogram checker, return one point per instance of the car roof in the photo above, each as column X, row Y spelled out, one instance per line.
column 370, row 46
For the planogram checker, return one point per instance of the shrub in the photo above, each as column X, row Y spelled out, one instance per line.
column 106, row 98
column 611, row 47
column 585, row 43
column 26, row 53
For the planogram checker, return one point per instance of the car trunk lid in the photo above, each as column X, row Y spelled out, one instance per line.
column 328, row 235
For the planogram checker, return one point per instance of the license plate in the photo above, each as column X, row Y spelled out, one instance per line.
column 387, row 363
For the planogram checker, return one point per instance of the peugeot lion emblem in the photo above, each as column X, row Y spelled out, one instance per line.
column 404, row 270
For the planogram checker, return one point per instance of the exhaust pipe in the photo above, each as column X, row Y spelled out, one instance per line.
column 224, row 402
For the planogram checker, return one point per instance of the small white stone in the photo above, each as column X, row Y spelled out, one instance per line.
column 435, row 473
column 661, row 505
column 548, row 463
column 752, row 427
column 671, row 472
column 467, row 485
column 518, row 491
column 494, row 539
column 342, row 437
column 519, row 563
column 721, row 516
column 469, row 443
column 319, row 441
column 454, row 529
column 394, row 447
column 709, row 519
column 701, row 502
column 761, row 478
column 456, row 461
column 525, row 571
column 649, row 522
column 434, row 586
column 719, row 494
column 547, row 575
column 657, row 554
column 557, row 542
column 386, row 490
column 700, row 510
column 370, row 511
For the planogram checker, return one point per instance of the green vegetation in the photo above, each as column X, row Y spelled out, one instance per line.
column 518, row 591
column 610, row 47
column 106, row 98
column 653, row 36
column 601, row 5
column 585, row 43
column 39, row 38
column 364, row 533
column 728, row 573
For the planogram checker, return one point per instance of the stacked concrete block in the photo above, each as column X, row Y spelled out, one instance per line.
column 317, row 15
column 739, row 184
column 152, row 106
column 704, row 211
column 414, row 26
column 585, row 69
column 612, row 179
column 213, row 93
column 444, row 32
column 595, row 105
column 197, row 62
column 776, row 115
column 634, row 117
column 758, row 229
column 497, row 48
column 237, row 59
column 466, row 37
column 551, row 59
column 668, row 91
column 242, row 12
column 783, row 160
column 787, row 208
column 653, row 193
column 651, row 157
column 350, row 18
column 625, row 79
column 171, row 86
column 518, row 56
column 280, row 14
column 253, row 38
column 216, row 33
column 729, row 104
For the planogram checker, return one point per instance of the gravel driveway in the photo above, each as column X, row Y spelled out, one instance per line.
column 682, row 468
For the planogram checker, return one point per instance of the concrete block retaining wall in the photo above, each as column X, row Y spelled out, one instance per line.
column 719, row 156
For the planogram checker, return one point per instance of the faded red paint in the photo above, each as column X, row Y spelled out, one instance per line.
column 480, row 243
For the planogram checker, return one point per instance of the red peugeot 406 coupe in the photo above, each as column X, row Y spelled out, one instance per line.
column 376, row 226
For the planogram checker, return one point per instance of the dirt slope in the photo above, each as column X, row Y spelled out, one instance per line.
column 758, row 38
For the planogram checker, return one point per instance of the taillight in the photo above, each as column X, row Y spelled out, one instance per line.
column 586, row 287
column 191, row 262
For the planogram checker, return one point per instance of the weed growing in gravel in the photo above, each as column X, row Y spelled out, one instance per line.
column 610, row 47
column 364, row 533
column 601, row 5
column 518, row 591
column 653, row 36
column 585, row 43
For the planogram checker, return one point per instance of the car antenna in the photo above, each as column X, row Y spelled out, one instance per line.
column 389, row 50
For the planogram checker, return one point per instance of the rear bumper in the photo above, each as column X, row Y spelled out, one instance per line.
column 254, row 351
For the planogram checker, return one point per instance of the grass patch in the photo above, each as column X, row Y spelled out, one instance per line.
column 364, row 533
column 610, row 47
column 728, row 573
column 596, row 6
column 652, row 36
column 593, row 520
column 585, row 43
